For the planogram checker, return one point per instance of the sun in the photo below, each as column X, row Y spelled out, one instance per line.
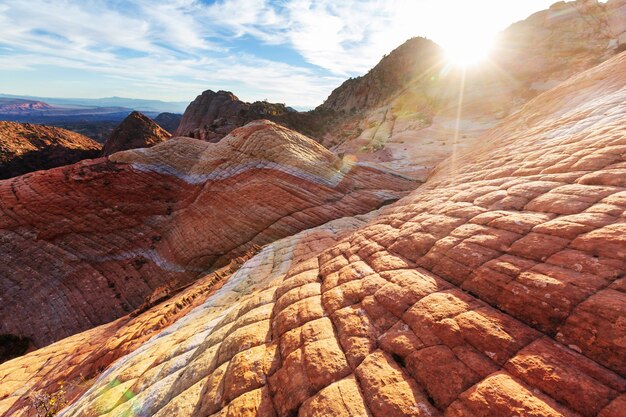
column 467, row 49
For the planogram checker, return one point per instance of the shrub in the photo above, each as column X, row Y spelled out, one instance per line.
column 48, row 405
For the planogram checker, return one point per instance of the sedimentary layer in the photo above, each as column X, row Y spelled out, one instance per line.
column 495, row 289
column 85, row 244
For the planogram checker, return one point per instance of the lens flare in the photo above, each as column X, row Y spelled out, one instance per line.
column 468, row 49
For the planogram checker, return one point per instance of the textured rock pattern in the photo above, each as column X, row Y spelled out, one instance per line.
column 85, row 244
column 426, row 110
column 135, row 131
column 496, row 289
column 28, row 147
column 76, row 364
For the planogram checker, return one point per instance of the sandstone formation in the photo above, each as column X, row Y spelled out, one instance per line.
column 426, row 109
column 412, row 60
column 495, row 289
column 135, row 131
column 85, row 244
column 565, row 39
column 76, row 364
column 211, row 116
column 168, row 121
column 27, row 147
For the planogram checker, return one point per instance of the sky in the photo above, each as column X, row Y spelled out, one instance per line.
column 286, row 51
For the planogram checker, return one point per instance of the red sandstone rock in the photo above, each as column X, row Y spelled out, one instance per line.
column 27, row 147
column 135, row 131
column 463, row 321
column 85, row 244
column 495, row 289
column 211, row 116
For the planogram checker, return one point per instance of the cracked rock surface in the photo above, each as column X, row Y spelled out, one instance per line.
column 495, row 289
column 85, row 244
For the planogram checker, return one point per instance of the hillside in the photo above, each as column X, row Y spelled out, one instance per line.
column 85, row 244
column 27, row 147
column 422, row 110
column 135, row 131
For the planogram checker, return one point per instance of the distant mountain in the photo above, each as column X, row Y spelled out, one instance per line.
column 136, row 131
column 18, row 106
column 95, row 120
column 156, row 106
column 168, row 121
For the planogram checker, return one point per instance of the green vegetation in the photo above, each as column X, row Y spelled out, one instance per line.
column 48, row 405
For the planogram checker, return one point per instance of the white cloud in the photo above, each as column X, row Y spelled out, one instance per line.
column 174, row 49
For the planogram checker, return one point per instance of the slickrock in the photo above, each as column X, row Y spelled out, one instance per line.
column 135, row 131
column 495, row 289
column 426, row 109
column 414, row 109
column 85, row 244
column 27, row 147
column 168, row 121
column 77, row 360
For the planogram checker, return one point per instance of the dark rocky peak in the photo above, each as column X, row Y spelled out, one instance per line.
column 136, row 131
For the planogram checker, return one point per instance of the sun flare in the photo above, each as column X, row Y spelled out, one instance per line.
column 468, row 49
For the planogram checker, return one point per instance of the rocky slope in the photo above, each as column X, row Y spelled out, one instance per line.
column 413, row 109
column 27, row 147
column 85, row 244
column 168, row 121
column 426, row 110
column 76, row 364
column 135, row 131
column 495, row 289
column 211, row 116
column 411, row 62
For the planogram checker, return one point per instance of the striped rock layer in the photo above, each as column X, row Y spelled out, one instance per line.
column 85, row 244
column 497, row 288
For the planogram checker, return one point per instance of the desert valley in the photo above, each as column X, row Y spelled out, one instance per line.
column 431, row 240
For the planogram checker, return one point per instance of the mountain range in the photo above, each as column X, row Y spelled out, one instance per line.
column 155, row 106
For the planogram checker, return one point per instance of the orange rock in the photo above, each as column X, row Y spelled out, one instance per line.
column 28, row 147
column 87, row 243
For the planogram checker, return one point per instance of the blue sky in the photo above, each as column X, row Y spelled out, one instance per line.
column 290, row 51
